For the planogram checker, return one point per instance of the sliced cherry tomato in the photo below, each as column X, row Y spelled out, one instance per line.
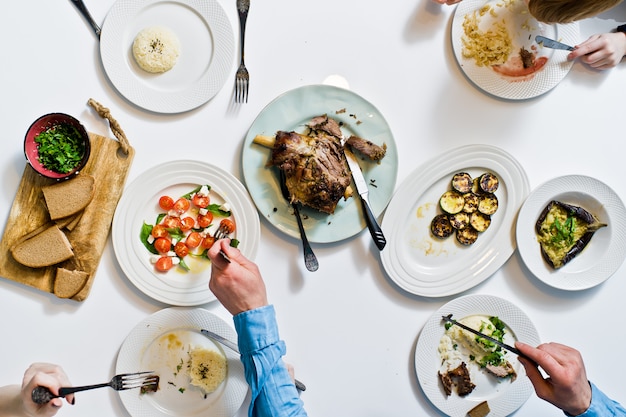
column 164, row 264
column 166, row 202
column 159, row 231
column 181, row 250
column 207, row 242
column 205, row 220
column 162, row 245
column 182, row 205
column 171, row 222
column 228, row 226
column 201, row 201
column 193, row 240
column 187, row 223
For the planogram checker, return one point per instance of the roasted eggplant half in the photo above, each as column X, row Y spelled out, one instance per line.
column 563, row 231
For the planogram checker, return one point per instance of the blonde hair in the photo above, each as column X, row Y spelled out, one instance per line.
column 567, row 11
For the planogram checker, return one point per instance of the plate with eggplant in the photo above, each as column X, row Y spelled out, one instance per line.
column 450, row 224
column 568, row 232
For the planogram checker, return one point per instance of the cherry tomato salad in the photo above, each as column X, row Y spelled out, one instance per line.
column 185, row 227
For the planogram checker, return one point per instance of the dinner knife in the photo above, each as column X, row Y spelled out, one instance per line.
column 449, row 319
column 551, row 43
column 233, row 346
column 361, row 188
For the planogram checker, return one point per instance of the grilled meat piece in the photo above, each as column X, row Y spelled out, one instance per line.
column 460, row 377
column 367, row 148
column 527, row 57
column 315, row 167
column 324, row 124
column 505, row 370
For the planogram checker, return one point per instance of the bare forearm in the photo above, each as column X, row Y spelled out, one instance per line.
column 10, row 401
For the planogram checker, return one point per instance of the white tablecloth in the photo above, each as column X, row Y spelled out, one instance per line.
column 350, row 331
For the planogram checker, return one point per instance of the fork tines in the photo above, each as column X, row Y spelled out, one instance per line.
column 221, row 233
column 242, row 82
column 139, row 379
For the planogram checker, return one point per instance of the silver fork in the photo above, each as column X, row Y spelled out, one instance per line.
column 242, row 78
column 42, row 395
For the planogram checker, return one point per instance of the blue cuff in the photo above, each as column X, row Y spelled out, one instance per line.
column 602, row 406
column 256, row 329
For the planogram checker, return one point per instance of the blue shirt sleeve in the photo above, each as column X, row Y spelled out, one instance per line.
column 602, row 406
column 273, row 393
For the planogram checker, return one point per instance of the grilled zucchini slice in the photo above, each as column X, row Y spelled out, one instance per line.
column 441, row 227
column 489, row 182
column 460, row 220
column 471, row 202
column 467, row 236
column 462, row 182
column 480, row 221
column 488, row 204
column 452, row 202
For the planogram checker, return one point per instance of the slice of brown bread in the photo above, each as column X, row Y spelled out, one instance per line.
column 68, row 283
column 68, row 197
column 43, row 249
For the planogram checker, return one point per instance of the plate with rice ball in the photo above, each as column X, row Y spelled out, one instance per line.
column 604, row 252
column 169, row 343
column 494, row 44
column 167, row 56
column 424, row 264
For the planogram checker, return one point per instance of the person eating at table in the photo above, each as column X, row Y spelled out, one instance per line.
column 16, row 400
column 238, row 285
column 600, row 51
column 566, row 386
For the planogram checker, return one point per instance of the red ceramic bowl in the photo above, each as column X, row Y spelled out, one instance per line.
column 31, row 148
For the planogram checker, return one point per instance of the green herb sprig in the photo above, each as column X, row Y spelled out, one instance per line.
column 60, row 148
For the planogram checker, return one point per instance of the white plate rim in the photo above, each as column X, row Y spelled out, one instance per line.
column 125, row 229
column 576, row 189
column 491, row 253
column 427, row 357
column 302, row 104
column 486, row 79
column 141, row 88
column 164, row 321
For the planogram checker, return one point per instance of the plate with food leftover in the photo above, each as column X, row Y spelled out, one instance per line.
column 442, row 349
column 159, row 79
column 494, row 44
column 295, row 115
column 425, row 264
column 197, row 376
column 590, row 249
column 187, row 284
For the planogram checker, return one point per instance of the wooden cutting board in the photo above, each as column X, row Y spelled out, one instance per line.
column 109, row 163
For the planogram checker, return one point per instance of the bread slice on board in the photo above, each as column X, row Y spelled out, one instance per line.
column 68, row 283
column 68, row 197
column 43, row 249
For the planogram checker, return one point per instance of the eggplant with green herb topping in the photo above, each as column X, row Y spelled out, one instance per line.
column 563, row 231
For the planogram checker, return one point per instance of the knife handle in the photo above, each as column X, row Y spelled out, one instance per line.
column 372, row 225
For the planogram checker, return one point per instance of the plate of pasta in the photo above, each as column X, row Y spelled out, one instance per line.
column 495, row 47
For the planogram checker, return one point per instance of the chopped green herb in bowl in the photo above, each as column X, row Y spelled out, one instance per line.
column 57, row 146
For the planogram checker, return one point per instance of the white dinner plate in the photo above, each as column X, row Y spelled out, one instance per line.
column 522, row 28
column 503, row 397
column 206, row 52
column 602, row 256
column 160, row 343
column 139, row 204
column 292, row 111
column 424, row 265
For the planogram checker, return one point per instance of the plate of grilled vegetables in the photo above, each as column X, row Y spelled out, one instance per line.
column 450, row 224
column 569, row 232
column 303, row 133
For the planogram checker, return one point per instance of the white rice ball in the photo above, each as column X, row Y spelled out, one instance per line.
column 156, row 49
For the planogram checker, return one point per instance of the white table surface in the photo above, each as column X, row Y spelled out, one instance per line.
column 350, row 331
